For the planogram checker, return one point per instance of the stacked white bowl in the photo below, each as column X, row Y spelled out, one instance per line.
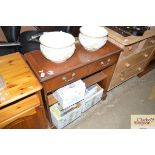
column 57, row 46
column 93, row 38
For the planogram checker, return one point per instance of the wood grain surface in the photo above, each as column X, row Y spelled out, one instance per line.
column 80, row 58
column 20, row 80
column 15, row 109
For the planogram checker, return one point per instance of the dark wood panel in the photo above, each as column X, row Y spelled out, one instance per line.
column 81, row 65
column 80, row 58
column 65, row 79
column 109, row 73
column 102, row 63
column 90, row 80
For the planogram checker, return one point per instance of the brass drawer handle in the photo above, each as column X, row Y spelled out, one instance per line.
column 65, row 78
column 102, row 63
column 127, row 64
column 105, row 64
column 146, row 55
column 109, row 60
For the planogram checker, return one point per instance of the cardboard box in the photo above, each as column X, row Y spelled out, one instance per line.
column 60, row 121
column 88, row 102
column 90, row 91
column 70, row 94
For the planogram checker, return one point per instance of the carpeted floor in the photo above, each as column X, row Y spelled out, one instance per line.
column 135, row 96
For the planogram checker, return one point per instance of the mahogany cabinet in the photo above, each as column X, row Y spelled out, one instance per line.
column 91, row 67
column 21, row 105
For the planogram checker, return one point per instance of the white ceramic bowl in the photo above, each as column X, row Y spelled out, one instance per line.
column 93, row 38
column 57, row 46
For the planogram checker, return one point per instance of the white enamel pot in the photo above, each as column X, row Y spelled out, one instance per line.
column 57, row 46
column 93, row 38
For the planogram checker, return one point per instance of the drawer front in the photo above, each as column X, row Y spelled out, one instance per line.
column 149, row 42
column 19, row 121
column 101, row 64
column 65, row 79
column 135, row 59
column 132, row 49
column 122, row 76
column 16, row 109
column 129, row 50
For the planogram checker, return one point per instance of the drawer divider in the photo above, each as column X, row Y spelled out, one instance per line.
column 97, row 77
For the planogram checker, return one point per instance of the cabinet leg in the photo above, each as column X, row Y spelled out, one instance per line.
column 47, row 110
column 109, row 72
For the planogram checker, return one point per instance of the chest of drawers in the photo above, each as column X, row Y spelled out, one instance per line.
column 131, row 61
column 136, row 54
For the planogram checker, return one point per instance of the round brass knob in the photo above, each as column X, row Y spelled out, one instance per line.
column 152, row 41
column 102, row 63
column 122, row 78
column 64, row 78
column 130, row 48
column 139, row 68
column 127, row 65
column 109, row 60
column 146, row 55
column 73, row 74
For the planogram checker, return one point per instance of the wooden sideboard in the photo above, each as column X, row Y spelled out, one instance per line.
column 21, row 103
column 91, row 67
column 136, row 53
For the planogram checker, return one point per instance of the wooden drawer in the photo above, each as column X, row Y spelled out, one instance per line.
column 122, row 76
column 135, row 59
column 149, row 42
column 65, row 79
column 129, row 50
column 101, row 64
column 13, row 112
column 132, row 49
column 25, row 120
column 79, row 73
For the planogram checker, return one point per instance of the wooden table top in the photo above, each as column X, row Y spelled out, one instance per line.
column 20, row 80
column 130, row 39
column 80, row 58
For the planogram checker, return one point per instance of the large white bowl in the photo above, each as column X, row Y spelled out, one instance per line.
column 57, row 46
column 93, row 38
column 58, row 55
